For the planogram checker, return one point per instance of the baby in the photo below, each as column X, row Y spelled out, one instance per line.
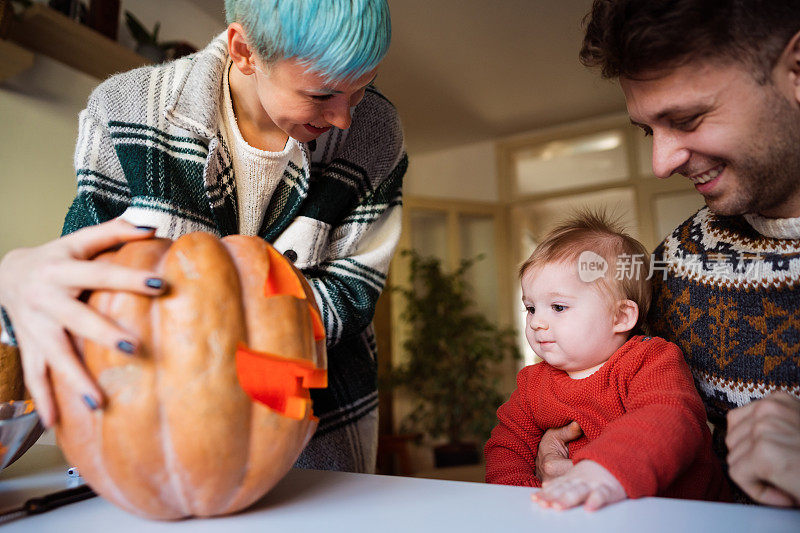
column 586, row 292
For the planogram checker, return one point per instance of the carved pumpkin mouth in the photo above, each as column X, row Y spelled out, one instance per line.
column 280, row 383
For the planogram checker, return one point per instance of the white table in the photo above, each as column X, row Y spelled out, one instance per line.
column 316, row 501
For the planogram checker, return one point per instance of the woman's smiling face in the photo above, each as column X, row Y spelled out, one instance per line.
column 301, row 103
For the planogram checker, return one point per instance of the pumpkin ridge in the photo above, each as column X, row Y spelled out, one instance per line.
column 231, row 244
column 111, row 476
column 149, row 386
column 106, row 476
column 252, row 258
column 156, row 354
column 100, row 460
column 215, row 315
column 167, row 448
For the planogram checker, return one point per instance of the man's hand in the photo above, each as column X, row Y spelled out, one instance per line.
column 764, row 449
column 587, row 483
column 552, row 458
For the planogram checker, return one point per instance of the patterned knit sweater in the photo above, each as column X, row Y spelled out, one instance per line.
column 641, row 417
column 728, row 293
column 149, row 149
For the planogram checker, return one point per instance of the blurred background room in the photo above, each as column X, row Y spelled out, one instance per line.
column 506, row 133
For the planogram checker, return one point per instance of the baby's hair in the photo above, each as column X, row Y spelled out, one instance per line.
column 598, row 232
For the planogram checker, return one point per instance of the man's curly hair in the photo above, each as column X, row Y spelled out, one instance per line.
column 626, row 38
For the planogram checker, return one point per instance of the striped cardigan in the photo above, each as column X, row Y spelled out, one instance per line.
column 149, row 149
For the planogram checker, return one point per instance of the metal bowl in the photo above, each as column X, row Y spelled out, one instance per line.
column 19, row 429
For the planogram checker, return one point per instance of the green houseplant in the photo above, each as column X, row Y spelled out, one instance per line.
column 453, row 351
column 148, row 44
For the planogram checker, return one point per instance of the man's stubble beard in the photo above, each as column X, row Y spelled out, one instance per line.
column 768, row 171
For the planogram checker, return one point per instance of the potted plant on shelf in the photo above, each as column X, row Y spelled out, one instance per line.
column 148, row 45
column 8, row 14
column 453, row 353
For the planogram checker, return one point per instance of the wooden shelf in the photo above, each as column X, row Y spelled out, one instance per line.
column 14, row 60
column 46, row 31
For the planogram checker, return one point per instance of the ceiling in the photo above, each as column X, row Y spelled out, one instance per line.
column 463, row 71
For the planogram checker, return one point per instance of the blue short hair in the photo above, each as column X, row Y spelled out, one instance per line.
column 340, row 39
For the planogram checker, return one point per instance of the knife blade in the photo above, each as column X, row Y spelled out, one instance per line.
column 48, row 502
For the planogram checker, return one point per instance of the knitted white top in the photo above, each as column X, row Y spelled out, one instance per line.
column 257, row 172
column 776, row 228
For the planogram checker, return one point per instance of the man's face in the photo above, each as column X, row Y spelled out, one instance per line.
column 736, row 140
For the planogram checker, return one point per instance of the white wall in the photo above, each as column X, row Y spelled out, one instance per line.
column 39, row 121
column 38, row 125
column 466, row 172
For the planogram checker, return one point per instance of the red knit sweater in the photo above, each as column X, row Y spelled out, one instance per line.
column 641, row 417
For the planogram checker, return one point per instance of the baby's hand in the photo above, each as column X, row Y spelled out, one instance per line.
column 587, row 483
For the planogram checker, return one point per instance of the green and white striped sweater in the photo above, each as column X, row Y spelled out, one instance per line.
column 149, row 149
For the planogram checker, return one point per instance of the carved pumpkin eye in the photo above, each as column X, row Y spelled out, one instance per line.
column 319, row 329
column 282, row 278
column 280, row 383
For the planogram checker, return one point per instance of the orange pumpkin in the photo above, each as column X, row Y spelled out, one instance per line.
column 214, row 409
column 12, row 386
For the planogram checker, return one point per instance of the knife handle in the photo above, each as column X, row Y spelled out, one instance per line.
column 57, row 499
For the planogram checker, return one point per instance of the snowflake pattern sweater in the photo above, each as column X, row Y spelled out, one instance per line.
column 729, row 297
column 641, row 416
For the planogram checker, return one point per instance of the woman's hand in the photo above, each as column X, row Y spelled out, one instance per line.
column 587, row 483
column 39, row 288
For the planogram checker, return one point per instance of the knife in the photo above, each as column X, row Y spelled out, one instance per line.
column 48, row 502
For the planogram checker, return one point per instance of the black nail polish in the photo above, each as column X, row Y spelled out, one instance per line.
column 154, row 283
column 90, row 402
column 146, row 228
column 126, row 346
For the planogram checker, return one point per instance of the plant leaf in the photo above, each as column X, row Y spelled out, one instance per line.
column 138, row 31
column 452, row 351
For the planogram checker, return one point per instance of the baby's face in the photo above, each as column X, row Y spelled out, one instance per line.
column 570, row 323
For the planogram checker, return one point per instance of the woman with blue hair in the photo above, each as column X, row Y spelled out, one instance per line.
column 275, row 130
